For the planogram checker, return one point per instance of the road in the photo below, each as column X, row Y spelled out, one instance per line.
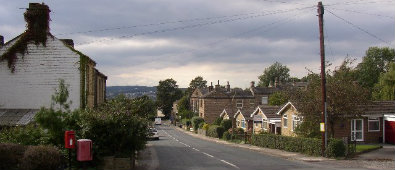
column 177, row 150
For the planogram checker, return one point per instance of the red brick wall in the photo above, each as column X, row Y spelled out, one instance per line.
column 343, row 129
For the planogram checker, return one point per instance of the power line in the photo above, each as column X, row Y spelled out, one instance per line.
column 352, row 11
column 198, row 25
column 359, row 28
column 358, row 2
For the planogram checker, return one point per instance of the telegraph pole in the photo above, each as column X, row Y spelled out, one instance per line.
column 320, row 11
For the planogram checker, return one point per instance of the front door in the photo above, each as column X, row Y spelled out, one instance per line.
column 357, row 130
column 390, row 132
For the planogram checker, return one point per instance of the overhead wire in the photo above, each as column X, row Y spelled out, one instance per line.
column 197, row 25
column 359, row 28
column 358, row 12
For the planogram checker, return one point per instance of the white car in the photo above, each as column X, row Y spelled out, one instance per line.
column 153, row 134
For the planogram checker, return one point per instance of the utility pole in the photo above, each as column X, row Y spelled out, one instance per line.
column 320, row 11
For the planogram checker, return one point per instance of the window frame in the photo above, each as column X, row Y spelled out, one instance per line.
column 374, row 120
column 239, row 103
column 266, row 99
column 297, row 120
column 285, row 120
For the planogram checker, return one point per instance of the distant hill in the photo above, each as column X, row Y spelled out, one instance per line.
column 131, row 91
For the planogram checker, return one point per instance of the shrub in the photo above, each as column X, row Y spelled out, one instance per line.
column 227, row 136
column 237, row 131
column 186, row 122
column 195, row 122
column 218, row 121
column 227, row 124
column 215, row 131
column 310, row 146
column 201, row 124
column 41, row 158
column 205, row 126
column 336, row 148
column 25, row 135
column 11, row 155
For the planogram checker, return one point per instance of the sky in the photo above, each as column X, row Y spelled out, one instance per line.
column 140, row 42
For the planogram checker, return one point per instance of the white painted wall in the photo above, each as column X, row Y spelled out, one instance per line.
column 36, row 76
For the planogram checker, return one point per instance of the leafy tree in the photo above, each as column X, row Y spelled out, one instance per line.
column 373, row 64
column 385, row 88
column 144, row 107
column 275, row 71
column 167, row 93
column 343, row 98
column 183, row 104
column 278, row 98
column 197, row 82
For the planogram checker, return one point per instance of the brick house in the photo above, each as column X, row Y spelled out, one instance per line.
column 210, row 102
column 28, row 83
column 265, row 119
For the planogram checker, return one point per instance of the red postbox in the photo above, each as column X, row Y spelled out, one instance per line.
column 69, row 139
column 84, row 150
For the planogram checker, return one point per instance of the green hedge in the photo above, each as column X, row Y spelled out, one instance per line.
column 227, row 124
column 215, row 131
column 227, row 136
column 309, row 146
column 196, row 122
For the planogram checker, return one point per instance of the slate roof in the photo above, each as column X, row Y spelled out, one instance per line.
column 265, row 90
column 270, row 111
column 12, row 117
column 246, row 113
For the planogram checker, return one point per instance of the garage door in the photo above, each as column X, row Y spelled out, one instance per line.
column 390, row 132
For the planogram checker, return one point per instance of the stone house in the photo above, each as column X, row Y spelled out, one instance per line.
column 210, row 102
column 290, row 119
column 243, row 119
column 265, row 119
column 29, row 77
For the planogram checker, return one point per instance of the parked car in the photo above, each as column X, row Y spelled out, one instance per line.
column 153, row 134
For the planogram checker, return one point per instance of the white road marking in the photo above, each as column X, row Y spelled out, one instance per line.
column 196, row 149
column 208, row 154
column 229, row 163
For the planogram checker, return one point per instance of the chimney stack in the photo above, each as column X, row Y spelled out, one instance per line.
column 252, row 84
column 210, row 88
column 69, row 42
column 37, row 18
column 228, row 87
column 217, row 86
column 1, row 41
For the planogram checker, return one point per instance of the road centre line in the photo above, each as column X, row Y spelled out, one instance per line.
column 229, row 163
column 208, row 154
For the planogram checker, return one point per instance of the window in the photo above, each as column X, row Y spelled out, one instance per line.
column 252, row 102
column 264, row 124
column 373, row 124
column 243, row 123
column 357, row 130
column 265, row 100
column 238, row 123
column 295, row 122
column 239, row 104
column 285, row 120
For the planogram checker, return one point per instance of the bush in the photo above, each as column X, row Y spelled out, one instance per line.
column 195, row 122
column 237, row 131
column 25, row 135
column 218, row 121
column 205, row 126
column 215, row 131
column 11, row 155
column 227, row 124
column 41, row 158
column 227, row 136
column 336, row 148
column 310, row 146
column 186, row 122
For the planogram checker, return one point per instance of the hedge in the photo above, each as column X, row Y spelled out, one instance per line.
column 215, row 131
column 196, row 121
column 309, row 146
column 226, row 123
column 11, row 155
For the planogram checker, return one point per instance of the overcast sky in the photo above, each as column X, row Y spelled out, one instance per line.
column 140, row 42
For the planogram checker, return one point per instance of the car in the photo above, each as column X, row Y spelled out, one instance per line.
column 153, row 134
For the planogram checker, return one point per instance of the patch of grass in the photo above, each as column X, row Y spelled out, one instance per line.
column 363, row 148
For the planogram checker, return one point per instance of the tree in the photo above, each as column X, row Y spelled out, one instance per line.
column 278, row 98
column 197, row 82
column 167, row 93
column 275, row 72
column 343, row 100
column 373, row 64
column 385, row 88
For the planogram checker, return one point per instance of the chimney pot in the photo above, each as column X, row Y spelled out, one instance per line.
column 217, row 86
column 1, row 40
column 228, row 87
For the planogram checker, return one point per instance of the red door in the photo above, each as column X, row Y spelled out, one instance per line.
column 390, row 132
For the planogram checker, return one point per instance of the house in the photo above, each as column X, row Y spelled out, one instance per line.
column 211, row 101
column 228, row 113
column 243, row 119
column 32, row 64
column 265, row 119
column 375, row 125
column 290, row 119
